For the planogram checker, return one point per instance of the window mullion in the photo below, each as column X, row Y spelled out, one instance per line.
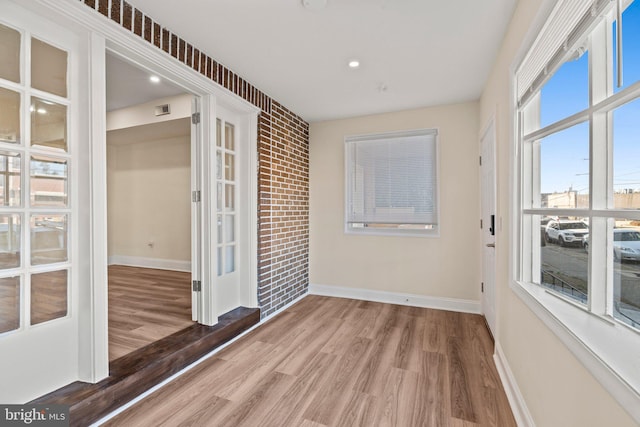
column 600, row 277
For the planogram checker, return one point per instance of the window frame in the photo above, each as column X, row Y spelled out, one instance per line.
column 394, row 231
column 601, row 342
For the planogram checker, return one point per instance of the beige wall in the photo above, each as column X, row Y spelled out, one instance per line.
column 558, row 390
column 149, row 199
column 445, row 266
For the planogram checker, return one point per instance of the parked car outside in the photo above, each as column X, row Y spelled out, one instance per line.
column 566, row 232
column 626, row 244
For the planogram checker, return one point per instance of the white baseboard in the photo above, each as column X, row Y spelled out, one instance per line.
column 518, row 405
column 161, row 264
column 451, row 304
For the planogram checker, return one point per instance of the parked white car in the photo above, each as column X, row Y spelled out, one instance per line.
column 566, row 232
column 626, row 244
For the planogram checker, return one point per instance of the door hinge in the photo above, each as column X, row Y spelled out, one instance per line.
column 480, row 160
column 480, row 224
column 195, row 196
column 195, row 118
column 197, row 286
column 481, row 286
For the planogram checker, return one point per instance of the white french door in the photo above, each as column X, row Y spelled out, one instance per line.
column 43, row 257
column 227, row 179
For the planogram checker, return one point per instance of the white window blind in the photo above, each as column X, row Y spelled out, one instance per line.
column 391, row 179
column 567, row 24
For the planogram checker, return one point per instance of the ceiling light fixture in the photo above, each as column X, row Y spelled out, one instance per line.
column 314, row 4
column 354, row 63
column 154, row 79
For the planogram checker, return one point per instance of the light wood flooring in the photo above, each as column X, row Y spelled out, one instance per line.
column 340, row 362
column 144, row 306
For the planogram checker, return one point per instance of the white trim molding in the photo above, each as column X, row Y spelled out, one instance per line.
column 518, row 405
column 413, row 300
column 158, row 263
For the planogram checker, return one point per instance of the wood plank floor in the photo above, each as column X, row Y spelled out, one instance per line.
column 340, row 362
column 145, row 305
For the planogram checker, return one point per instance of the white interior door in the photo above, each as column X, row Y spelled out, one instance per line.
column 43, row 228
column 228, row 210
column 489, row 225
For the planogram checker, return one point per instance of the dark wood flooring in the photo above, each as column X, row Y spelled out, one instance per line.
column 340, row 362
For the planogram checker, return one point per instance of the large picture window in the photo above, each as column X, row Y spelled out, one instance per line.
column 579, row 172
column 392, row 183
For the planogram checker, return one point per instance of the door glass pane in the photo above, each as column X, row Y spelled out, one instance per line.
column 9, row 241
column 564, row 168
column 229, row 229
column 218, row 133
column 9, row 304
column 626, row 153
column 218, row 165
column 229, row 197
column 9, row 179
column 229, row 137
column 219, row 196
column 48, row 124
column 48, row 296
column 219, row 228
column 9, row 116
column 48, row 182
column 10, row 54
column 564, row 259
column 230, row 261
column 220, row 261
column 48, row 68
column 229, row 167
column 48, row 239
column 626, row 271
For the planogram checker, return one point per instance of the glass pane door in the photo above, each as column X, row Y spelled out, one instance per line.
column 35, row 207
column 226, row 196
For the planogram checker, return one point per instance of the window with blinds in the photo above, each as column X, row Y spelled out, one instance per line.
column 391, row 183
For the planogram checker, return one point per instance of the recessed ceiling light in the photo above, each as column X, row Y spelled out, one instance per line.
column 314, row 4
column 354, row 63
column 154, row 79
column 42, row 111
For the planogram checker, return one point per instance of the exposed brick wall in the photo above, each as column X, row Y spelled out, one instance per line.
column 283, row 160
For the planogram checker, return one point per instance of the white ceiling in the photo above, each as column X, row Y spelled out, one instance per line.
column 128, row 85
column 413, row 53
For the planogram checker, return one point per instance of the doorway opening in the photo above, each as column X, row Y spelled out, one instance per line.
column 148, row 207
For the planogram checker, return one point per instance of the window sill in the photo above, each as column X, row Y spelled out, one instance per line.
column 607, row 348
column 392, row 232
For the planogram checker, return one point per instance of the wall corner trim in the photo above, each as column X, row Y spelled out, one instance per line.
column 161, row 264
column 413, row 300
column 516, row 400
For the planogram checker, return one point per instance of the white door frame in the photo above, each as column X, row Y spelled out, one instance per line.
column 489, row 228
column 106, row 36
